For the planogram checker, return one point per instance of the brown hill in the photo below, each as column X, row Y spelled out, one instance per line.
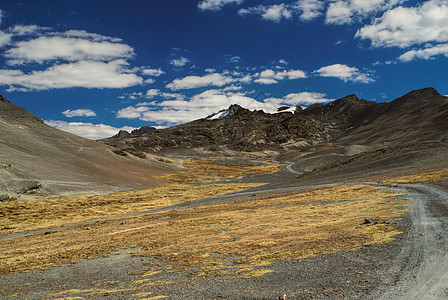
column 415, row 117
column 36, row 158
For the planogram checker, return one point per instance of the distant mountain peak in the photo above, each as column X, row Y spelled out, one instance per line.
column 424, row 92
column 143, row 129
column 233, row 110
column 417, row 96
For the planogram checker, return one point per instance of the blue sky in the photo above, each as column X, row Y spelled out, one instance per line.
column 93, row 67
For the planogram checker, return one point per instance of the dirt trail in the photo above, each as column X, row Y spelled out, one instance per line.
column 421, row 269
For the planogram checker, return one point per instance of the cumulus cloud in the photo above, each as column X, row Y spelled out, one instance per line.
column 88, row 74
column 74, row 58
column 70, row 49
column 274, row 13
column 299, row 99
column 179, row 62
column 346, row 11
column 306, row 10
column 158, row 93
column 79, row 113
column 153, row 72
column 406, row 26
column 310, row 9
column 152, row 93
column 5, row 38
column 87, row 130
column 427, row 53
column 191, row 82
column 215, row 5
column 208, row 102
column 345, row 73
column 269, row 76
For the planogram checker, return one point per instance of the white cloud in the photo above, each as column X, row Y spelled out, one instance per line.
column 87, row 130
column 295, row 74
column 152, row 93
column 25, row 29
column 45, row 48
column 274, row 13
column 153, row 72
column 191, row 82
column 172, row 96
column 345, row 73
column 346, row 11
column 215, row 5
column 339, row 12
column 135, row 95
column 88, row 35
column 299, row 99
column 5, row 38
column 79, row 113
column 201, row 105
column 269, row 76
column 74, row 58
column 427, row 53
column 306, row 10
column 180, row 62
column 406, row 26
column 266, row 80
column 311, row 9
column 156, row 92
column 88, row 74
column 233, row 59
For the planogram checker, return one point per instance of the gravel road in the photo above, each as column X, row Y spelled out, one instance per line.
column 421, row 269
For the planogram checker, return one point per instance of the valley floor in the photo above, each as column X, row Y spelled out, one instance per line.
column 235, row 238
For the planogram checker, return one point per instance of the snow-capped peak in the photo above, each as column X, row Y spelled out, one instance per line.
column 219, row 115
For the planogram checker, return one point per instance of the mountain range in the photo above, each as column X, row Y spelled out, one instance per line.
column 345, row 137
column 418, row 116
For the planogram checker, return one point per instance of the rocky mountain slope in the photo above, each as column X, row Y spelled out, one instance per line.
column 420, row 115
column 41, row 160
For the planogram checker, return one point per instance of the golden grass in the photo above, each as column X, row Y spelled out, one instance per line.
column 419, row 178
column 232, row 239
column 201, row 170
column 35, row 214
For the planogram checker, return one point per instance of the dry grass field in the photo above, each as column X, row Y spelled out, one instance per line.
column 231, row 239
column 200, row 170
column 420, row 178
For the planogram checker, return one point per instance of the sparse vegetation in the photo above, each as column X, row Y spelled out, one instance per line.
column 44, row 213
column 231, row 239
column 164, row 160
column 419, row 178
column 210, row 170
